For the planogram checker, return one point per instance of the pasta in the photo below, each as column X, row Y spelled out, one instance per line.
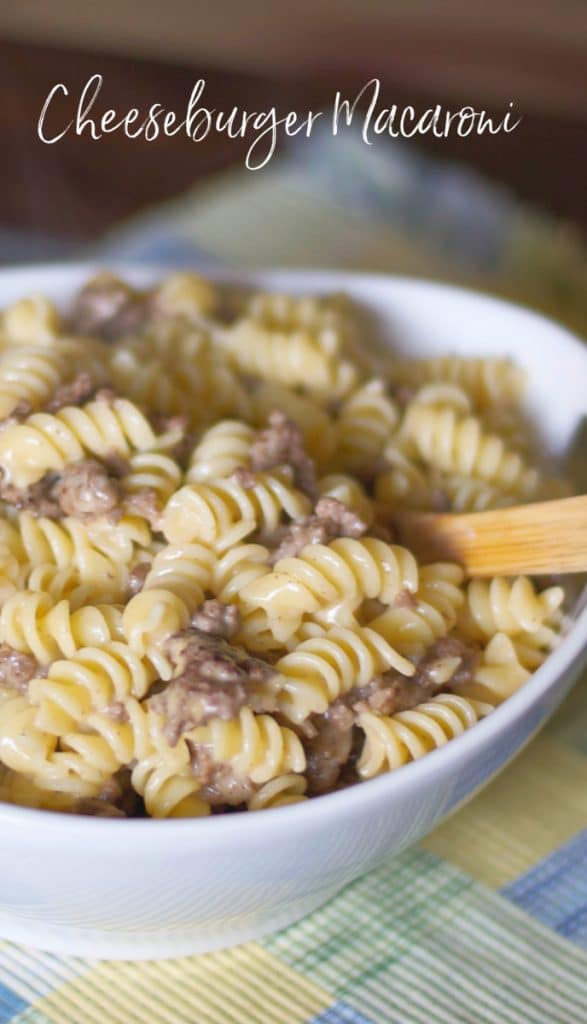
column 337, row 577
column 499, row 606
column 99, row 556
column 485, row 380
column 30, row 622
column 256, row 746
column 224, row 512
column 49, row 442
column 393, row 741
column 92, row 679
column 287, row 357
column 366, row 420
column 203, row 607
column 459, row 445
column 223, row 448
column 279, row 792
column 326, row 666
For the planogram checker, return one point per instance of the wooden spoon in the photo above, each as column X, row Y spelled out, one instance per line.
column 548, row 537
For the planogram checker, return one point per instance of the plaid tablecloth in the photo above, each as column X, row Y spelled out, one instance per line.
column 485, row 921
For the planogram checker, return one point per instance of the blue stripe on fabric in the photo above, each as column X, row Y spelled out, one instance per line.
column 10, row 1003
column 555, row 890
column 342, row 1013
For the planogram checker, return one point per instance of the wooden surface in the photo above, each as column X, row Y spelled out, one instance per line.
column 78, row 187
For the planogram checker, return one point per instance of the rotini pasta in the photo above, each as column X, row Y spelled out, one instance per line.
column 92, row 679
column 332, row 579
column 255, row 746
column 366, row 420
column 498, row 606
column 391, row 741
column 32, row 623
column 292, row 358
column 279, row 792
column 324, row 667
column 224, row 447
column 459, row 445
column 222, row 513
column 99, row 554
column 46, row 441
column 484, row 380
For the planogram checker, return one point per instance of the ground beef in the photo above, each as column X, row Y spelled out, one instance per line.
column 107, row 395
column 453, row 647
column 38, row 498
column 403, row 394
column 145, row 503
column 218, row 619
column 108, row 308
column 392, row 692
column 331, row 518
column 328, row 743
column 16, row 668
column 116, row 465
column 244, row 477
column 331, row 740
column 97, row 808
column 22, row 410
column 213, row 680
column 85, row 490
column 137, row 577
column 76, row 392
column 282, row 444
column 117, row 799
column 340, row 517
column 218, row 782
column 116, row 711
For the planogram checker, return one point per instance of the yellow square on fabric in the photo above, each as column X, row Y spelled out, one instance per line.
column 245, row 985
column 532, row 808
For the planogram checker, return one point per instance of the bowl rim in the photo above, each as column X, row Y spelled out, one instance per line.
column 376, row 791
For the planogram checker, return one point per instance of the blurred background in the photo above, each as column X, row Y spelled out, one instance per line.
column 258, row 54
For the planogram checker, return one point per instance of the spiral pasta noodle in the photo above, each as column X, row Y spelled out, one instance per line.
column 320, row 317
column 459, row 445
column 340, row 574
column 29, row 374
column 322, row 668
column 318, row 428
column 99, row 555
column 92, row 679
column 32, row 623
column 279, row 792
column 500, row 606
column 222, row 449
column 172, row 590
column 392, row 741
column 46, row 441
column 154, row 472
column 286, row 357
column 412, row 626
column 485, row 380
column 222, row 513
column 255, row 746
column 366, row 420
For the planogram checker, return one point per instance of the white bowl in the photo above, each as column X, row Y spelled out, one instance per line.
column 140, row 888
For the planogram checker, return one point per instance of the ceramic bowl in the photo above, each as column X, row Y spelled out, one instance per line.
column 141, row 888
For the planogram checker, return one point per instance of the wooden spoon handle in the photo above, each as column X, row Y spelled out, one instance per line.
column 548, row 537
